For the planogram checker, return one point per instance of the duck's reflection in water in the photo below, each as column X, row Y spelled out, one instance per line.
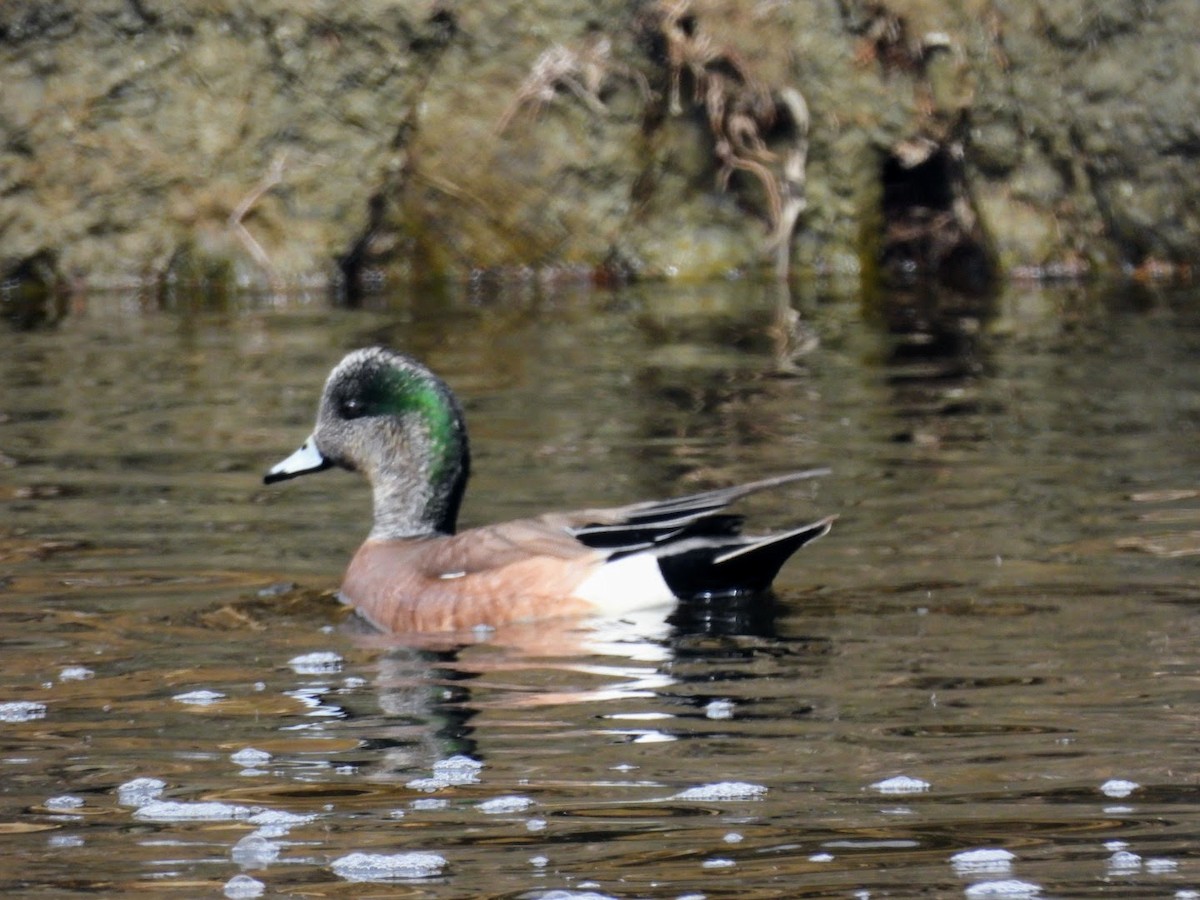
column 443, row 692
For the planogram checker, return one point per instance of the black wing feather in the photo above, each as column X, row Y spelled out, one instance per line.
column 658, row 522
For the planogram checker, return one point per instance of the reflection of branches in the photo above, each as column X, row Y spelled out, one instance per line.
column 792, row 336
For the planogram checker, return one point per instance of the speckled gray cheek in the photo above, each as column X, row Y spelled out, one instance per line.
column 336, row 439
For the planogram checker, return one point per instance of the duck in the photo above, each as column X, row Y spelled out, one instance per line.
column 386, row 415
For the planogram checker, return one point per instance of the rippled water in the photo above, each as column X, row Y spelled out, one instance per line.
column 982, row 683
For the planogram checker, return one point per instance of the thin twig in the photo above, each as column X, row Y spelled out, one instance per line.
column 271, row 179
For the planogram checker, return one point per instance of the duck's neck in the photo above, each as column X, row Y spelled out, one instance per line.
column 423, row 499
column 405, row 512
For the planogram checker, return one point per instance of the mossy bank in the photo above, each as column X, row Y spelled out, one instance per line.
column 276, row 144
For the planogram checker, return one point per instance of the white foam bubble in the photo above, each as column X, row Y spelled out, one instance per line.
column 723, row 790
column 254, row 851
column 1118, row 788
column 901, row 784
column 1124, row 862
column 15, row 711
column 1009, row 889
column 1158, row 865
column 426, row 785
column 75, row 673
column 140, row 791
column 319, row 662
column 501, row 805
column 429, row 803
column 281, row 817
column 383, row 867
column 65, row 803
column 276, row 823
column 189, row 811
column 200, row 697
column 986, row 860
column 250, row 757
column 718, row 863
column 651, row 737
column 719, row 709
column 243, row 887
column 458, row 770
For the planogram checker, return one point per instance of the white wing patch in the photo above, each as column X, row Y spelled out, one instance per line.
column 629, row 583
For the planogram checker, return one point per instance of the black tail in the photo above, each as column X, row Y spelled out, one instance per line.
column 712, row 567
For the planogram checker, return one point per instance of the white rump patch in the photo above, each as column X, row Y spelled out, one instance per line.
column 629, row 583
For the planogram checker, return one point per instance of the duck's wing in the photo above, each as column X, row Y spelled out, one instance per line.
column 641, row 526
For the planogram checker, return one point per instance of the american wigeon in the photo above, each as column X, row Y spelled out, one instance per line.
column 389, row 417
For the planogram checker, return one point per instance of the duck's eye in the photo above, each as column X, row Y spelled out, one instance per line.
column 353, row 408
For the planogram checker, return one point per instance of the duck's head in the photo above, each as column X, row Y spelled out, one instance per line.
column 387, row 416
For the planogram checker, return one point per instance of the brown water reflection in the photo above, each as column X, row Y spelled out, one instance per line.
column 1004, row 612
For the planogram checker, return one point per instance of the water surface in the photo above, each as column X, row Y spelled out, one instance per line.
column 981, row 683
